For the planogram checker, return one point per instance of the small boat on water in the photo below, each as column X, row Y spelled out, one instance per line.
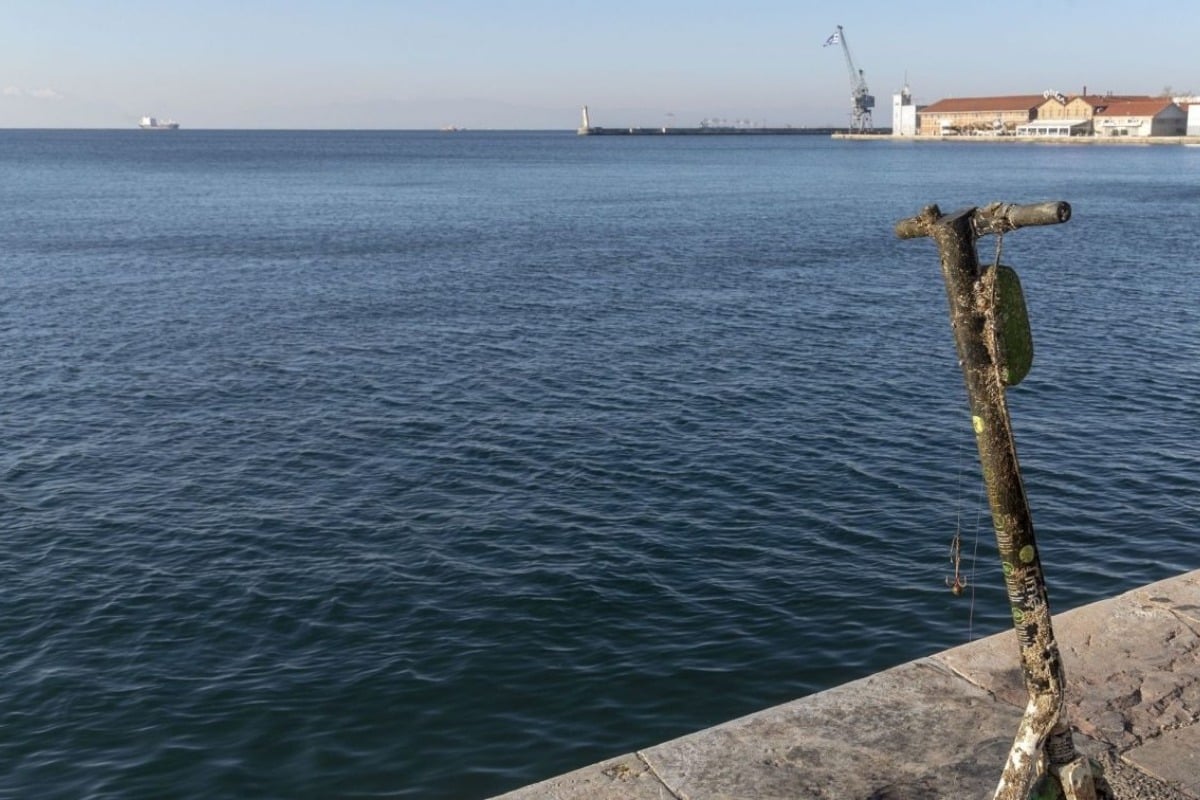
column 156, row 124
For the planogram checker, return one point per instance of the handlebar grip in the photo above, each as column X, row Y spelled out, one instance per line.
column 1024, row 216
column 995, row 218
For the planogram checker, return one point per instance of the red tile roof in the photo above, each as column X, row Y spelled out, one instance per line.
column 1142, row 107
column 1097, row 100
column 959, row 105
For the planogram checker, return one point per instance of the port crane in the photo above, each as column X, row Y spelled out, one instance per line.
column 861, row 99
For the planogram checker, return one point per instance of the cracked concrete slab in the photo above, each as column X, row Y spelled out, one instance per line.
column 1173, row 757
column 627, row 777
column 912, row 732
column 940, row 728
column 1132, row 663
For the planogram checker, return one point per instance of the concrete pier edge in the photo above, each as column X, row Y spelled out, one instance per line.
column 1098, row 141
column 939, row 727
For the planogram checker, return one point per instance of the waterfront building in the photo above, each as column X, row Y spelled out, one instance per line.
column 1053, row 114
column 978, row 116
column 1067, row 126
column 1191, row 105
column 1151, row 116
column 1062, row 115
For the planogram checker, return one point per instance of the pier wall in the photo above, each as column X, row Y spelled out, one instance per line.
column 706, row 131
column 1059, row 140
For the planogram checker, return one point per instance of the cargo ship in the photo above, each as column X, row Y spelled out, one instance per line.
column 156, row 124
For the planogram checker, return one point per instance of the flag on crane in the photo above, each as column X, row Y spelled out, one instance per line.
column 835, row 38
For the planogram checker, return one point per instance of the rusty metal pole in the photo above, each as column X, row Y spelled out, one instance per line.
column 979, row 335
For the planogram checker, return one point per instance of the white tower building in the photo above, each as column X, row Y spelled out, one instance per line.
column 904, row 113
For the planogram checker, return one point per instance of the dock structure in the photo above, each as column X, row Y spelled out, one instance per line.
column 587, row 129
column 939, row 728
column 710, row 130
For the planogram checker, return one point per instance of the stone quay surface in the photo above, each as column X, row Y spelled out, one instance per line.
column 939, row 728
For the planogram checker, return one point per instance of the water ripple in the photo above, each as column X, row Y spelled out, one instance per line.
column 438, row 469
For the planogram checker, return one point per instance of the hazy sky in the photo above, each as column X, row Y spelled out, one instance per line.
column 533, row 63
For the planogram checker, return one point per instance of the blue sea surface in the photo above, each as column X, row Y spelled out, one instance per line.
column 428, row 465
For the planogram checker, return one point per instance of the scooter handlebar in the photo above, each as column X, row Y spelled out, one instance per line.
column 994, row 218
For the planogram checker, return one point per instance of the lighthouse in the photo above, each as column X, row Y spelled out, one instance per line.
column 904, row 113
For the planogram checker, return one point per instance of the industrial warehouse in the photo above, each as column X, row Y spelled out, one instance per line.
column 1050, row 115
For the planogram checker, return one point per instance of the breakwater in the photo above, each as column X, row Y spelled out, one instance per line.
column 705, row 130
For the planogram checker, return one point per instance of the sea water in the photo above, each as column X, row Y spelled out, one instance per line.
column 427, row 465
